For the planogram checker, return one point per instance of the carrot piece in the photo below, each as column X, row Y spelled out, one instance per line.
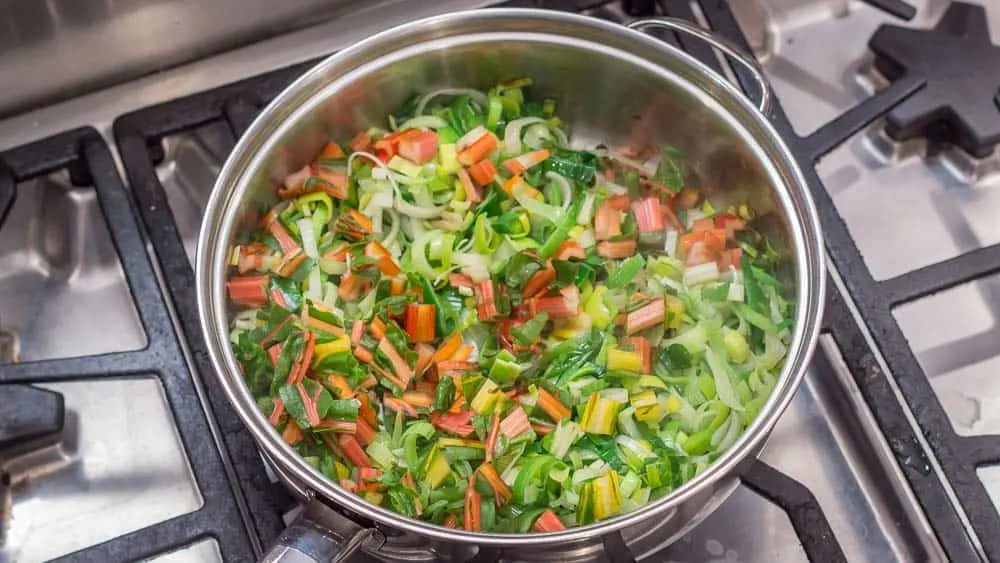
column 420, row 147
column 249, row 291
column 500, row 489
column 450, row 521
column 448, row 349
column 292, row 434
column 548, row 522
column 570, row 249
column 349, row 485
column 352, row 449
column 483, row 172
column 382, row 257
column 552, row 406
column 492, row 436
column 645, row 317
column 616, row 249
column 363, row 355
column 607, row 222
column 515, row 423
column 473, row 509
column 538, row 282
column 478, row 150
column 618, row 202
column 339, row 383
column 420, row 322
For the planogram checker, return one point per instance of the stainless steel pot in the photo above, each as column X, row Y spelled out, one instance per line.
column 611, row 82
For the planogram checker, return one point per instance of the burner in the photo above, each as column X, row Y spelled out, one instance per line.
column 960, row 104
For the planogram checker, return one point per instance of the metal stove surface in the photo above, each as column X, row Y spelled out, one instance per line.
column 827, row 441
column 904, row 209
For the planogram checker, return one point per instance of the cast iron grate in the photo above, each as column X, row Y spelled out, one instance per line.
column 89, row 163
column 139, row 135
column 957, row 107
column 958, row 456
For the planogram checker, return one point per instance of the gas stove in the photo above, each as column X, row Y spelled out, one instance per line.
column 114, row 445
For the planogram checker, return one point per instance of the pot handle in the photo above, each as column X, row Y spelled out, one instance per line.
column 718, row 42
column 309, row 539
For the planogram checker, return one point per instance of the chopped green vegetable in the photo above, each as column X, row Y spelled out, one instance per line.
column 480, row 305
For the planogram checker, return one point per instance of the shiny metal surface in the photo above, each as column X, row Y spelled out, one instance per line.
column 63, row 48
column 709, row 120
column 718, row 42
column 819, row 67
column 119, row 468
column 940, row 207
column 59, row 273
column 205, row 551
column 99, row 109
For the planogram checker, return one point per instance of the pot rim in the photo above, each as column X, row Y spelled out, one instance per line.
column 233, row 184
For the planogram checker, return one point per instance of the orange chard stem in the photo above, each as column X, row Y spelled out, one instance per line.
column 552, row 406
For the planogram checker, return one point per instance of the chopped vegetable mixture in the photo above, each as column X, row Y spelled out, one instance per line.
column 467, row 321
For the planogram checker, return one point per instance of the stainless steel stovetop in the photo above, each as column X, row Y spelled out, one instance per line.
column 122, row 465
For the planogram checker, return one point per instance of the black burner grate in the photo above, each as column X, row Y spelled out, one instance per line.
column 960, row 104
column 89, row 163
column 958, row 456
